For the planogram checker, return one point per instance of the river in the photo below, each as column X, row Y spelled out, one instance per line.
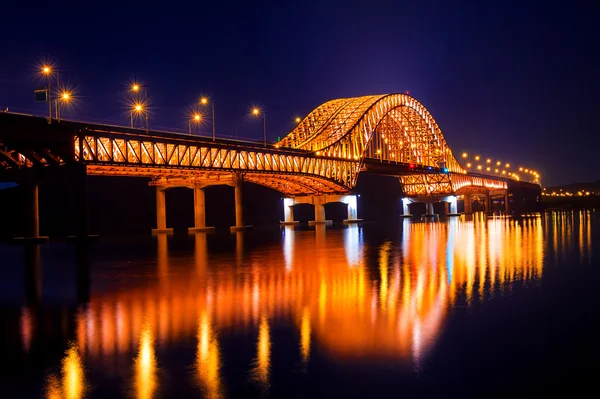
column 408, row 309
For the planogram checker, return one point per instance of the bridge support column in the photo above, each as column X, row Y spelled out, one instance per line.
column 32, row 233
column 429, row 212
column 429, row 209
column 239, row 205
column 319, row 213
column 405, row 210
column 199, row 212
column 351, row 201
column 161, row 212
column 506, row 203
column 453, row 206
column 468, row 205
column 319, row 202
column 288, row 212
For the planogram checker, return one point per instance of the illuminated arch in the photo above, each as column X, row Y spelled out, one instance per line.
column 390, row 127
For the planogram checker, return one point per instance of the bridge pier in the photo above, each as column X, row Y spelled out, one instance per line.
column 405, row 210
column 319, row 201
column 161, row 212
column 288, row 212
column 199, row 212
column 453, row 208
column 319, row 214
column 239, row 205
column 468, row 204
column 33, row 218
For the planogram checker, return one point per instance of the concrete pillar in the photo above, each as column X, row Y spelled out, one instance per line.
column 453, row 207
column 405, row 208
column 161, row 209
column 446, row 206
column 319, row 202
column 199, row 212
column 351, row 201
column 161, row 212
column 32, row 219
column 319, row 213
column 429, row 208
column 468, row 204
column 239, row 205
column 34, row 229
column 506, row 203
column 487, row 203
column 288, row 211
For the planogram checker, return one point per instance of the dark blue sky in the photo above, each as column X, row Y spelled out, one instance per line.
column 516, row 82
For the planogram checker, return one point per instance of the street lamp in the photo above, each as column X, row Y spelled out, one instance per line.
column 196, row 118
column 64, row 97
column 138, row 108
column 298, row 119
column 204, row 101
column 141, row 103
column 257, row 112
column 46, row 71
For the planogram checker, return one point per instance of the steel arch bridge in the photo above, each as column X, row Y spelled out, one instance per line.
column 390, row 134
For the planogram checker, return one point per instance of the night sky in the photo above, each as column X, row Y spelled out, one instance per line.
column 515, row 82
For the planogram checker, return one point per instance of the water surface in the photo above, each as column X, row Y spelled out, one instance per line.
column 409, row 309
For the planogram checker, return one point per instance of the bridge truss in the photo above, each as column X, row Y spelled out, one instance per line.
column 323, row 154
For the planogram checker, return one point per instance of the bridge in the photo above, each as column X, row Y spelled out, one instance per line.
column 317, row 163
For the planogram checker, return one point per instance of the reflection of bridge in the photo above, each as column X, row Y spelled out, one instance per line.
column 394, row 307
column 317, row 163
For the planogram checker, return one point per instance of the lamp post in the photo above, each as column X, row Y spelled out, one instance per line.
column 138, row 108
column 143, row 106
column 204, row 101
column 196, row 118
column 46, row 71
column 257, row 112
column 64, row 97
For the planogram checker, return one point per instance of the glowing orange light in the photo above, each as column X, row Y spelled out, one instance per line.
column 255, row 111
column 135, row 87
column 46, row 70
column 298, row 119
column 464, row 154
column 488, row 160
column 197, row 117
column 477, row 157
column 204, row 101
column 469, row 165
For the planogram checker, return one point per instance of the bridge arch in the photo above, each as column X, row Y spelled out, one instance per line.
column 390, row 127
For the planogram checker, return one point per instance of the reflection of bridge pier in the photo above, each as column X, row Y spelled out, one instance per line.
column 319, row 201
column 33, row 274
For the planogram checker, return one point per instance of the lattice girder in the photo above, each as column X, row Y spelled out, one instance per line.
column 445, row 183
column 106, row 153
column 392, row 127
